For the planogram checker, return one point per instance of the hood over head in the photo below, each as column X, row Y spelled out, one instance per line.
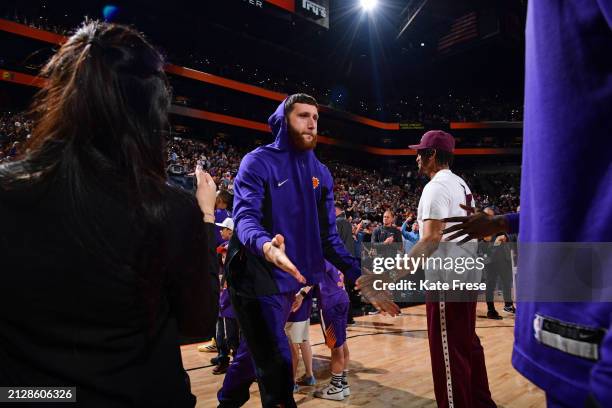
column 279, row 126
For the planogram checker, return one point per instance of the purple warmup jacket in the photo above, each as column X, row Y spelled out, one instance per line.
column 279, row 190
column 566, row 187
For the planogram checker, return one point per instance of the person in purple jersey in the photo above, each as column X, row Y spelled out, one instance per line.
column 334, row 310
column 566, row 175
column 298, row 332
column 285, row 224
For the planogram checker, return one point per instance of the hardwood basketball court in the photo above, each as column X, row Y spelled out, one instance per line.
column 390, row 365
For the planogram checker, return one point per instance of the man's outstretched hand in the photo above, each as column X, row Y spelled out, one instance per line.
column 380, row 299
column 274, row 251
column 478, row 225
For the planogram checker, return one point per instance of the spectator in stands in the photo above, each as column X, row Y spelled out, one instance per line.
column 387, row 233
column 345, row 229
column 366, row 234
column 410, row 237
column 104, row 265
column 350, row 209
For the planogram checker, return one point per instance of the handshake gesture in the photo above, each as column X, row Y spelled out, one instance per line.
column 274, row 251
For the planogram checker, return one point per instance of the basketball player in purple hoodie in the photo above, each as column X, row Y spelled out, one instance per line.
column 285, row 224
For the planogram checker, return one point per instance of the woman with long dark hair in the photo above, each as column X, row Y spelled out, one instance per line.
column 103, row 264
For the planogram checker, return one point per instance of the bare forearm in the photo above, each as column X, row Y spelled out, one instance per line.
column 423, row 248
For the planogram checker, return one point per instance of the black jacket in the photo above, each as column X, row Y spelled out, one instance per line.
column 345, row 230
column 107, row 323
column 381, row 233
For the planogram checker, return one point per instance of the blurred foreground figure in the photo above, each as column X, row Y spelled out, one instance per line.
column 103, row 264
column 563, row 347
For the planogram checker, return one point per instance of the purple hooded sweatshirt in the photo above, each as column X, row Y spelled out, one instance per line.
column 280, row 190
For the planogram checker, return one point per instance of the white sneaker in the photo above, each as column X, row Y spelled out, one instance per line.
column 330, row 392
column 346, row 390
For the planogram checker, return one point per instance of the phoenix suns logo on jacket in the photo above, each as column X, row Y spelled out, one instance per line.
column 315, row 182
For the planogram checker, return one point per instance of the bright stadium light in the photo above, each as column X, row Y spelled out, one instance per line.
column 368, row 5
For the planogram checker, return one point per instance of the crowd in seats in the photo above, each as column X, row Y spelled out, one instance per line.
column 452, row 108
column 409, row 108
column 39, row 22
column 218, row 158
column 14, row 130
column 365, row 193
column 414, row 108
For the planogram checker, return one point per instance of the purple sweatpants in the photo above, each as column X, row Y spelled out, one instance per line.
column 263, row 352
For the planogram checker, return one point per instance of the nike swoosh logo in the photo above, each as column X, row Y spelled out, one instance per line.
column 282, row 182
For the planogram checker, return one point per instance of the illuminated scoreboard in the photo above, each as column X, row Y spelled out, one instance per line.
column 316, row 11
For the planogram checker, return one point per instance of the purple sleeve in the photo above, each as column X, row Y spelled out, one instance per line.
column 249, row 190
column 513, row 222
column 605, row 6
column 333, row 248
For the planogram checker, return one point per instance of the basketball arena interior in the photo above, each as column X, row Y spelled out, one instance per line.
column 233, row 203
